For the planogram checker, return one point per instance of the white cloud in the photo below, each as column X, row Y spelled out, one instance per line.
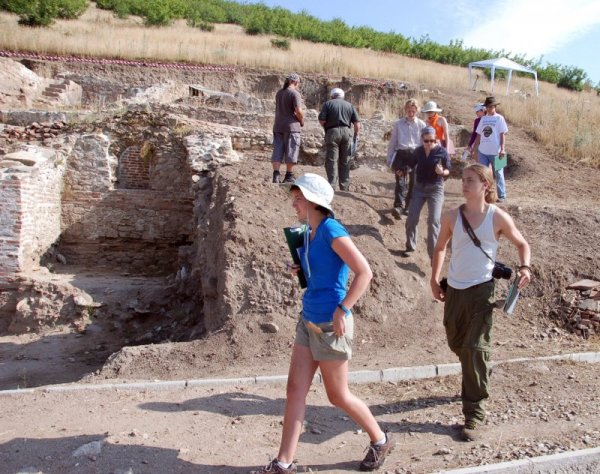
column 531, row 27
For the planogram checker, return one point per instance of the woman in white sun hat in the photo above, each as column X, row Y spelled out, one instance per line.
column 439, row 123
column 324, row 333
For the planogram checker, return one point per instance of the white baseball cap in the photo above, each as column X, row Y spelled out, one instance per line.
column 479, row 107
column 315, row 189
column 336, row 92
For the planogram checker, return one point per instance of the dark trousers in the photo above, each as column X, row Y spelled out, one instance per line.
column 468, row 320
column 404, row 183
column 404, row 189
column 338, row 141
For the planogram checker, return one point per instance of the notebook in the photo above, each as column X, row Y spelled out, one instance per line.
column 295, row 239
column 500, row 162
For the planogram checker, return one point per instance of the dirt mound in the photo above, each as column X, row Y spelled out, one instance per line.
column 396, row 311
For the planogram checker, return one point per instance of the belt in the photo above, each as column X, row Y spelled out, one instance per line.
column 337, row 126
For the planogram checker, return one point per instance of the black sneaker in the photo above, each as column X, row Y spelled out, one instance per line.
column 276, row 177
column 376, row 454
column 289, row 177
column 397, row 213
column 274, row 468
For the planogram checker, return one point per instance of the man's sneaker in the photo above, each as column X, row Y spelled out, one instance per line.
column 276, row 177
column 501, row 199
column 289, row 177
column 405, row 211
column 376, row 454
column 274, row 468
column 397, row 213
column 470, row 431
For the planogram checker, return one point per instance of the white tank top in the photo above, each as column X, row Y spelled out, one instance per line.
column 468, row 265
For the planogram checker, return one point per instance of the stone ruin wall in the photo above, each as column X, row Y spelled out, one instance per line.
column 116, row 202
column 30, row 209
column 129, row 212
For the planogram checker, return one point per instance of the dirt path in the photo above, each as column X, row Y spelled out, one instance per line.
column 232, row 429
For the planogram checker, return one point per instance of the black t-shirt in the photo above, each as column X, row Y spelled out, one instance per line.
column 286, row 102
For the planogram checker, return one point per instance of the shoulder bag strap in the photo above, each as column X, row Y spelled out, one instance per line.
column 469, row 230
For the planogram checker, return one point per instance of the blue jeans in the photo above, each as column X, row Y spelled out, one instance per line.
column 488, row 160
column 433, row 195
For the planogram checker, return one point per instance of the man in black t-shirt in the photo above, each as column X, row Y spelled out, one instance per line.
column 289, row 119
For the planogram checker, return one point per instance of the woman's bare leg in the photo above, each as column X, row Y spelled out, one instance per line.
column 335, row 379
column 300, row 376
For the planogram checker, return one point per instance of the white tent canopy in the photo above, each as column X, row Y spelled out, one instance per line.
column 505, row 64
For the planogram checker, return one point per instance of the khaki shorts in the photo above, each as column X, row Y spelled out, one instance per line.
column 325, row 345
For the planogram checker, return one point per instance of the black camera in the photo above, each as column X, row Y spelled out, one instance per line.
column 501, row 271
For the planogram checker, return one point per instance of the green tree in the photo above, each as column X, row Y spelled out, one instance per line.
column 572, row 78
column 70, row 9
column 159, row 12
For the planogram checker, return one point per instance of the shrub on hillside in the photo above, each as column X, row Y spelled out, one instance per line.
column 70, row 9
column 572, row 78
column 159, row 12
column 43, row 12
column 280, row 43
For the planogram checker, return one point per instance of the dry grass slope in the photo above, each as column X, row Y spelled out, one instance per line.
column 566, row 122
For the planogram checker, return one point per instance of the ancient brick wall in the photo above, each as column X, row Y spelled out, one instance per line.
column 30, row 209
column 133, row 171
column 10, row 228
column 116, row 213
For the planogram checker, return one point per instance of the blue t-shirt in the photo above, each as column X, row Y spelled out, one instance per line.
column 326, row 273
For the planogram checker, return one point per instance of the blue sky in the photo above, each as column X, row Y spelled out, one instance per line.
column 565, row 32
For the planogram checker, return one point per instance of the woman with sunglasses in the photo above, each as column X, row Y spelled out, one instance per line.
column 432, row 166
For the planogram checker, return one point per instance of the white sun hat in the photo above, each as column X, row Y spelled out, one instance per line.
column 315, row 189
column 430, row 106
column 479, row 107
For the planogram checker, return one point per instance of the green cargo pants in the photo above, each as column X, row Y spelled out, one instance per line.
column 468, row 320
column 338, row 141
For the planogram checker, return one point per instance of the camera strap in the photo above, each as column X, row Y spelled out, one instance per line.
column 470, row 232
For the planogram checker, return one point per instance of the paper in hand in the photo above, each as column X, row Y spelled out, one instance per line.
column 512, row 297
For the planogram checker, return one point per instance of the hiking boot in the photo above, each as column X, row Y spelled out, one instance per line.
column 289, row 177
column 397, row 213
column 470, row 431
column 276, row 177
column 274, row 468
column 376, row 454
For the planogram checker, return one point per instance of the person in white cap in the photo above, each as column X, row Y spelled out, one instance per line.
column 324, row 332
column 289, row 119
column 439, row 123
column 339, row 119
column 479, row 112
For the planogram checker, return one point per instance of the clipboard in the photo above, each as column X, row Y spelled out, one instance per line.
column 512, row 296
column 295, row 239
column 500, row 162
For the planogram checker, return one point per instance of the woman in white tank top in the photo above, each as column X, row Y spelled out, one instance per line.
column 469, row 296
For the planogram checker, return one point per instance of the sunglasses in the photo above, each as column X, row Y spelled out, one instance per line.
column 428, row 141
